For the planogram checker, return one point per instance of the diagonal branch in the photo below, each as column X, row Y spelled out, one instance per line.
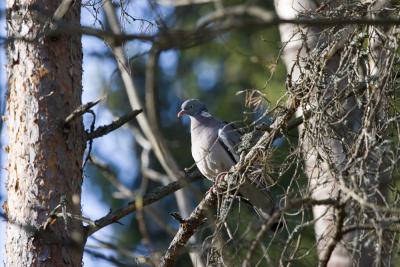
column 79, row 111
column 134, row 99
column 187, row 228
column 148, row 199
column 105, row 129
column 150, row 131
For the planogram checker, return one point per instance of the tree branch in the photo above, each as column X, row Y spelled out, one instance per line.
column 148, row 199
column 187, row 228
column 105, row 129
column 79, row 111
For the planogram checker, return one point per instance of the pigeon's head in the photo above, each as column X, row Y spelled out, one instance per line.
column 192, row 107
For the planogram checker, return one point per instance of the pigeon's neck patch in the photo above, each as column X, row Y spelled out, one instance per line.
column 205, row 114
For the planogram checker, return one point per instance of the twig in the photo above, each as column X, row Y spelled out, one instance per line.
column 106, row 35
column 182, row 2
column 151, row 92
column 149, row 198
column 177, row 217
column 79, row 111
column 54, row 215
column 292, row 124
column 239, row 10
column 157, row 218
column 105, row 129
column 268, row 18
column 121, row 249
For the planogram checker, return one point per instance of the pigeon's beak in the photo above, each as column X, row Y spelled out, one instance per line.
column 181, row 113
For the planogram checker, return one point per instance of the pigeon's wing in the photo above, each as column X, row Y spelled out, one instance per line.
column 229, row 137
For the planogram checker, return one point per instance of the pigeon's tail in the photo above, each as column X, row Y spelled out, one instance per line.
column 261, row 199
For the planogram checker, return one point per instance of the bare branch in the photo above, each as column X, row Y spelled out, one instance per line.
column 79, row 111
column 148, row 199
column 187, row 228
column 134, row 99
column 150, row 131
column 105, row 129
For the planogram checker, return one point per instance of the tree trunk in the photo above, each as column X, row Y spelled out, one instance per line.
column 45, row 158
column 322, row 185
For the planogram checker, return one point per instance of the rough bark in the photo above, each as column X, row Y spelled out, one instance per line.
column 45, row 158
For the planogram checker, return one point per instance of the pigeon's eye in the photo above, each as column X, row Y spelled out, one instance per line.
column 190, row 106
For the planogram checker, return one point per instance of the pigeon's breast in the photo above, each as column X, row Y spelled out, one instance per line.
column 210, row 157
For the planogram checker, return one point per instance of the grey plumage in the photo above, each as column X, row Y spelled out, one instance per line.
column 214, row 145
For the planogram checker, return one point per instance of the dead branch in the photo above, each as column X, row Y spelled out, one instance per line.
column 260, row 235
column 296, row 203
column 147, row 199
column 79, row 111
column 235, row 11
column 105, row 129
column 187, row 228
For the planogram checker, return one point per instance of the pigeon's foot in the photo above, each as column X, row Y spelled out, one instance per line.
column 219, row 180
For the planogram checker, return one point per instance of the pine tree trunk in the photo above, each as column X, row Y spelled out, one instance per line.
column 45, row 158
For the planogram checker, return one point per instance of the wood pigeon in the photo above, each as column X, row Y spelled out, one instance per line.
column 214, row 145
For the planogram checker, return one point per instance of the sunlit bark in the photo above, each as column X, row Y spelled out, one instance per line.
column 45, row 158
